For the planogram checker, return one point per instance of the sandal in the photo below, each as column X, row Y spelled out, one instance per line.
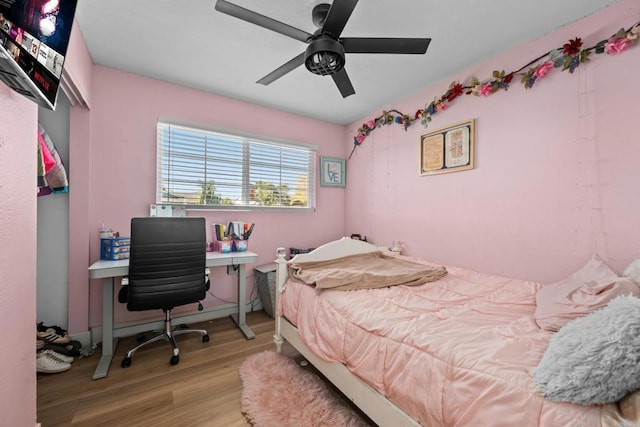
column 50, row 336
column 71, row 349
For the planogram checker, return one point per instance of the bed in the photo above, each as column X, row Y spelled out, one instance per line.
column 455, row 351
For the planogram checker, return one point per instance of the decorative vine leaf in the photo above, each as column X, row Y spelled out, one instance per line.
column 526, row 76
column 554, row 54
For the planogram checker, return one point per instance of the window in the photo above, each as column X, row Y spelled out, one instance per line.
column 205, row 168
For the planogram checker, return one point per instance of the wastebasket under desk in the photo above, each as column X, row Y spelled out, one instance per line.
column 266, row 281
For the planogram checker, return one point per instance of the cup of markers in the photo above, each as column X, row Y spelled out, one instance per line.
column 232, row 237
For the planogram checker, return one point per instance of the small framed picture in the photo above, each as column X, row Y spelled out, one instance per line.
column 332, row 173
column 450, row 149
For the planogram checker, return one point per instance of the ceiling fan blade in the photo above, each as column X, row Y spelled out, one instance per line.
column 261, row 20
column 338, row 16
column 282, row 70
column 384, row 45
column 341, row 80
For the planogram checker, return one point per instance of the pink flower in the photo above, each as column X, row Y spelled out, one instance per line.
column 360, row 138
column 485, row 90
column 441, row 106
column 616, row 45
column 371, row 124
column 543, row 69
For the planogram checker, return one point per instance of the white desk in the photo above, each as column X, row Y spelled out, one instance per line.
column 108, row 270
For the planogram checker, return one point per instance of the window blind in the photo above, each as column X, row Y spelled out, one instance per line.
column 206, row 168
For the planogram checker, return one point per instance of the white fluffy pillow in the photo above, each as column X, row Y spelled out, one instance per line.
column 594, row 359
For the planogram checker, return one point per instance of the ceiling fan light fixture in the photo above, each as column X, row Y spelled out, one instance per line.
column 324, row 57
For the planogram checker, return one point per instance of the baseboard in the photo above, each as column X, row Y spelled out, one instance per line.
column 83, row 337
column 210, row 313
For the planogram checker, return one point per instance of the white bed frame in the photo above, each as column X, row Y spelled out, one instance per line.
column 377, row 407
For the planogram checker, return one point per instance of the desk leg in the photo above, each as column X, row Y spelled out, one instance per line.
column 108, row 344
column 241, row 318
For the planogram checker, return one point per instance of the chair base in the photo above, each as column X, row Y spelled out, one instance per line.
column 168, row 334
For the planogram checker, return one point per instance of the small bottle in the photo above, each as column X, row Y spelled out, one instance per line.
column 397, row 248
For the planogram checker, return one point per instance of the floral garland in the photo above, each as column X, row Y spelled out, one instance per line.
column 568, row 57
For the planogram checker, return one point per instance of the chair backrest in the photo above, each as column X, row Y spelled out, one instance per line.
column 167, row 262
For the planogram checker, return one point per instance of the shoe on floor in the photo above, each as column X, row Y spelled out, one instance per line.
column 49, row 365
column 43, row 328
column 71, row 349
column 39, row 344
column 51, row 336
column 60, row 357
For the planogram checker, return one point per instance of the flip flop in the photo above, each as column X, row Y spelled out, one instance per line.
column 70, row 349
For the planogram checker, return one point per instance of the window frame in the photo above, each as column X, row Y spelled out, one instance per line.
column 247, row 139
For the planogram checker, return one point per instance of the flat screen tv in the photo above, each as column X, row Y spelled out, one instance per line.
column 34, row 36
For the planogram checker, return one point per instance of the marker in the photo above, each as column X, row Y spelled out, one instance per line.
column 248, row 232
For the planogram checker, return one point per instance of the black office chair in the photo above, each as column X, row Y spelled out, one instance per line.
column 166, row 270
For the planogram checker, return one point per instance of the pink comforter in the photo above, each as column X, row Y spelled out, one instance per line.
column 454, row 352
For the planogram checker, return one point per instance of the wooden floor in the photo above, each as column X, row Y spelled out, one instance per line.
column 202, row 390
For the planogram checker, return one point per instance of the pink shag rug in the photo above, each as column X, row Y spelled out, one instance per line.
column 277, row 392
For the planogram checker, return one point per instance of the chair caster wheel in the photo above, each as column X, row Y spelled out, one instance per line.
column 205, row 338
column 126, row 362
column 174, row 360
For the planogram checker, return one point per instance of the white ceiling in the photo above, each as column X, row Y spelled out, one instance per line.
column 187, row 42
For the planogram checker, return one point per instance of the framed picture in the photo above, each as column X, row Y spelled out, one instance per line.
column 332, row 172
column 449, row 149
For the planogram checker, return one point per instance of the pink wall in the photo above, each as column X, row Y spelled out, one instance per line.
column 18, row 127
column 121, row 161
column 556, row 167
column 78, row 68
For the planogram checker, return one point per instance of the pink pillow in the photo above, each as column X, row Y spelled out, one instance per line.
column 586, row 290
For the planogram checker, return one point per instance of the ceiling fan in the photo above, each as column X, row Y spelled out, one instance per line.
column 325, row 54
